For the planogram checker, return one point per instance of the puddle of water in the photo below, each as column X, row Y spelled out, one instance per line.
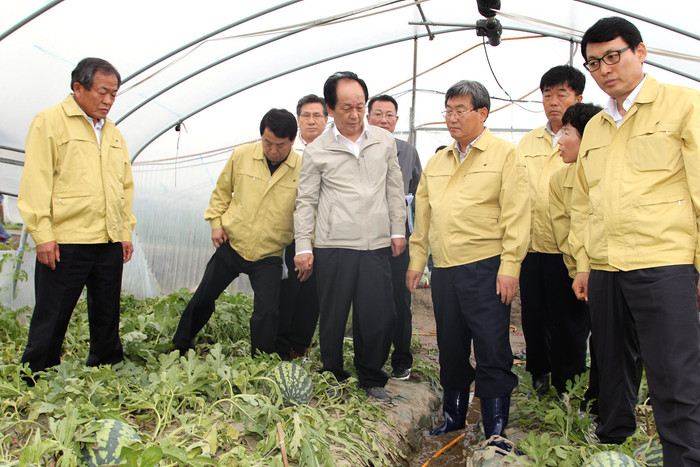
column 456, row 455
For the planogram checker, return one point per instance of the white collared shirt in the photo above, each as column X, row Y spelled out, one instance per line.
column 611, row 106
column 555, row 136
column 95, row 126
column 353, row 146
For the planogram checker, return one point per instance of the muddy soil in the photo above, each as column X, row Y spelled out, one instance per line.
column 424, row 329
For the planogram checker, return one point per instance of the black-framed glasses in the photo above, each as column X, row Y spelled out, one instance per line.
column 457, row 113
column 610, row 58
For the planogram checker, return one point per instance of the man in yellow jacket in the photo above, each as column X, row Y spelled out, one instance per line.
column 555, row 323
column 561, row 186
column 75, row 197
column 634, row 232
column 473, row 210
column 251, row 216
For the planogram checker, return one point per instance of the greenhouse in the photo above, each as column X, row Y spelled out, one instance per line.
column 196, row 79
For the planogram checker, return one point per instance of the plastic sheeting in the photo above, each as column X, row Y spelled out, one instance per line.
column 276, row 52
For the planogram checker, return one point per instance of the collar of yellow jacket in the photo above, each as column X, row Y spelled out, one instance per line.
column 72, row 109
column 481, row 144
column 649, row 91
column 647, row 95
column 292, row 159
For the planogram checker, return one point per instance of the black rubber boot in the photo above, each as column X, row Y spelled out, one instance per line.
column 541, row 384
column 454, row 408
column 494, row 413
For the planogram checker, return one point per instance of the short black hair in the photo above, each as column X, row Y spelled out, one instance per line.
column 607, row 29
column 280, row 122
column 382, row 98
column 86, row 68
column 564, row 74
column 579, row 114
column 330, row 88
column 311, row 99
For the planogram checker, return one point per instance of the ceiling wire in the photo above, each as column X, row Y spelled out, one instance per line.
column 351, row 15
column 558, row 28
column 386, row 91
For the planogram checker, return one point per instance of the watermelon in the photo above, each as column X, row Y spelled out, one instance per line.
column 111, row 436
column 650, row 453
column 424, row 281
column 294, row 383
column 610, row 459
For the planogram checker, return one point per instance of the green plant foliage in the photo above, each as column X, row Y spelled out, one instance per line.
column 206, row 408
column 561, row 430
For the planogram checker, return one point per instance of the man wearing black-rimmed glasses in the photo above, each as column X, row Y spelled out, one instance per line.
column 634, row 232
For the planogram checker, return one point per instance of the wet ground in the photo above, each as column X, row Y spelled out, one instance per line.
column 425, row 446
column 458, row 453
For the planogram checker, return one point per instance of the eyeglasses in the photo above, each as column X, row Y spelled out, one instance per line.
column 308, row 116
column 387, row 115
column 610, row 58
column 456, row 113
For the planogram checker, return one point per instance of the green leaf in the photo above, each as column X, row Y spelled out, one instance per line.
column 151, row 456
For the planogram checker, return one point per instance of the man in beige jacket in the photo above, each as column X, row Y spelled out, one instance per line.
column 351, row 179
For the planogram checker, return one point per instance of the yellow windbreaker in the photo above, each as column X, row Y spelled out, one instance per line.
column 636, row 196
column 254, row 208
column 475, row 210
column 560, row 187
column 542, row 161
column 74, row 190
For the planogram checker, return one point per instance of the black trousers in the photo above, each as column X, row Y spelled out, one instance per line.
column 401, row 357
column 97, row 266
column 361, row 278
column 468, row 309
column 298, row 310
column 223, row 267
column 649, row 315
column 555, row 322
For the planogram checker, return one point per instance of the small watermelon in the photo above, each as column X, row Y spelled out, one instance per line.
column 294, row 383
column 111, row 436
column 424, row 281
column 650, row 453
column 610, row 459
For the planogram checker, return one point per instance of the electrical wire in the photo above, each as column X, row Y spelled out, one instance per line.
column 488, row 61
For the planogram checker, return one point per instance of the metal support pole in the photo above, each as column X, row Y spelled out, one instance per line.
column 412, row 117
column 572, row 52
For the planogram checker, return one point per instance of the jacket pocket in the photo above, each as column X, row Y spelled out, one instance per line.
column 72, row 210
column 342, row 226
column 656, row 148
column 437, row 183
column 117, row 159
column 665, row 218
column 485, row 182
